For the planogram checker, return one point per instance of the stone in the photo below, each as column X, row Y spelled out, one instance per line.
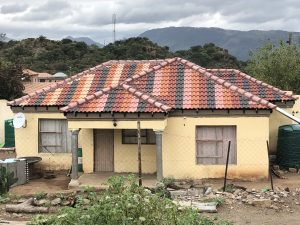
column 40, row 202
column 265, row 203
column 65, row 203
column 74, row 184
column 178, row 193
column 287, row 189
column 276, row 167
column 56, row 201
column 208, row 191
column 86, row 201
column 293, row 170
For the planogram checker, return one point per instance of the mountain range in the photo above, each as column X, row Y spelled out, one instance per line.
column 86, row 40
column 238, row 43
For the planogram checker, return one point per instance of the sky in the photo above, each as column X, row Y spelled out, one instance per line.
column 57, row 19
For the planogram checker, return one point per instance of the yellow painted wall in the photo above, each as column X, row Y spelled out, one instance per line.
column 179, row 148
column 5, row 113
column 27, row 143
column 86, row 141
column 126, row 156
column 276, row 120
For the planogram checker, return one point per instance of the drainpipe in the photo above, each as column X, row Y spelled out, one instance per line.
column 288, row 115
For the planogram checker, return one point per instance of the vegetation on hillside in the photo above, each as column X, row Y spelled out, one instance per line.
column 277, row 65
column 11, row 81
column 70, row 57
column 210, row 56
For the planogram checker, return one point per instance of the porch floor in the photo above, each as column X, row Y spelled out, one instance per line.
column 99, row 179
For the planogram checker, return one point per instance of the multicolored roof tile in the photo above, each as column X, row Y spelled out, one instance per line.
column 155, row 86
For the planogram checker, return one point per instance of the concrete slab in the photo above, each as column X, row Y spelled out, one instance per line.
column 99, row 179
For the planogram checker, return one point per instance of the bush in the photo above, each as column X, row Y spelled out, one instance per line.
column 126, row 204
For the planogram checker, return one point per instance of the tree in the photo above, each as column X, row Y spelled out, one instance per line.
column 11, row 81
column 277, row 65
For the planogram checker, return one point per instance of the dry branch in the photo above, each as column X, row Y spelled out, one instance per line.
column 26, row 207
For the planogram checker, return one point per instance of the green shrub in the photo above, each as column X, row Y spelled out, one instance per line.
column 126, row 204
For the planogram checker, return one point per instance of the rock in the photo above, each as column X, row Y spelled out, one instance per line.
column 293, row 170
column 276, row 167
column 208, row 191
column 65, row 203
column 274, row 207
column 178, row 193
column 199, row 206
column 265, row 203
column 86, row 201
column 287, row 189
column 40, row 202
column 56, row 201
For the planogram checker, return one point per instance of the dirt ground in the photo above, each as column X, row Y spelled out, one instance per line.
column 239, row 214
column 57, row 184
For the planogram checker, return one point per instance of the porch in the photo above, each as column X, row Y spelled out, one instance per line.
column 107, row 151
column 99, row 179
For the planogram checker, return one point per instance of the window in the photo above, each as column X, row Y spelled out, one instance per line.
column 212, row 145
column 54, row 136
column 129, row 136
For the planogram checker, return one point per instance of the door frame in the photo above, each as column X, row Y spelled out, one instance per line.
column 95, row 144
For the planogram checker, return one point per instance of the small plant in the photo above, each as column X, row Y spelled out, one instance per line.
column 7, row 179
column 217, row 200
column 168, row 181
column 40, row 195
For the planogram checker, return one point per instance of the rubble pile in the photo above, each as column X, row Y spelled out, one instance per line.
column 278, row 199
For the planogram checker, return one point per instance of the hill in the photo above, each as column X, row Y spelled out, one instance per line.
column 238, row 43
column 86, row 40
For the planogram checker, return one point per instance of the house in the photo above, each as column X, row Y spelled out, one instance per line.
column 188, row 115
column 33, row 76
column 7, row 114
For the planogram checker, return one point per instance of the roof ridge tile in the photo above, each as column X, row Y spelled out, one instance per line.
column 264, row 84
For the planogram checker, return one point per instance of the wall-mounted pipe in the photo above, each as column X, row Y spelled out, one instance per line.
column 285, row 113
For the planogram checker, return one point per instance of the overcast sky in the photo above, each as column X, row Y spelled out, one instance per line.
column 93, row 18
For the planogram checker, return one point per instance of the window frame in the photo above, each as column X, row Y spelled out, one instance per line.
column 62, row 134
column 233, row 143
column 147, row 131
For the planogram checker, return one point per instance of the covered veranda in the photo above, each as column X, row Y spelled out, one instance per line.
column 96, row 178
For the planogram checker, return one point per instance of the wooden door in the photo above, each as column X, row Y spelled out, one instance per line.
column 104, row 150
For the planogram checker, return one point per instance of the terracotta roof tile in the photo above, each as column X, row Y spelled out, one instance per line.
column 156, row 86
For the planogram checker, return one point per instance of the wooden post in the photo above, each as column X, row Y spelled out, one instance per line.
column 139, row 152
column 227, row 160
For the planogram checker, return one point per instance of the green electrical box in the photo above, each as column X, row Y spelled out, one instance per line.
column 9, row 132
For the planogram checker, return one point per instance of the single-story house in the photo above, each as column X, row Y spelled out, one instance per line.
column 188, row 115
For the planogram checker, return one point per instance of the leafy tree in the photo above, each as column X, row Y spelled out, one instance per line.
column 277, row 65
column 11, row 81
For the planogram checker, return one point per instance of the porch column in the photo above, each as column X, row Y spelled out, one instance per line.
column 159, row 161
column 74, row 147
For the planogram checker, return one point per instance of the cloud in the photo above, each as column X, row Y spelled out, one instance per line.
column 52, row 9
column 93, row 18
column 13, row 8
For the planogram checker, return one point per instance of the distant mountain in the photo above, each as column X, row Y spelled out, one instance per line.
column 5, row 38
column 238, row 43
column 86, row 40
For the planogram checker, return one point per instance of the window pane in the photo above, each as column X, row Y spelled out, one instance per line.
column 129, row 136
column 212, row 143
column 54, row 136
